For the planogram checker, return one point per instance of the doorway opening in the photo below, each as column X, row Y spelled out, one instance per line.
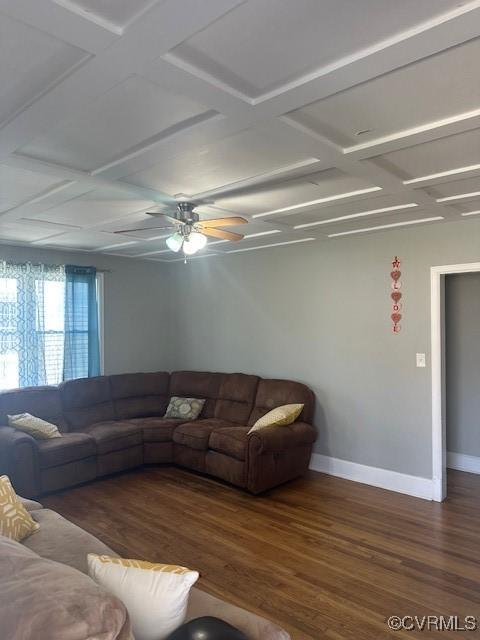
column 440, row 458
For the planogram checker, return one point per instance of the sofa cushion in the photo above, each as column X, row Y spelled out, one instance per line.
column 69, row 448
column 196, row 434
column 274, row 393
column 47, row 600
column 86, row 401
column 157, row 429
column 30, row 505
column 42, row 402
column 236, row 397
column 139, row 394
column 115, row 435
column 61, row 540
column 197, row 384
column 230, row 440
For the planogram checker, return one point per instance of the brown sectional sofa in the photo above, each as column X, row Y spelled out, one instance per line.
column 114, row 423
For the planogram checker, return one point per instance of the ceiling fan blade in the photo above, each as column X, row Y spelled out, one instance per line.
column 171, row 226
column 223, row 222
column 219, row 233
column 162, row 216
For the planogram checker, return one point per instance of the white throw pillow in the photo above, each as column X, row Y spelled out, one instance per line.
column 156, row 595
column 36, row 427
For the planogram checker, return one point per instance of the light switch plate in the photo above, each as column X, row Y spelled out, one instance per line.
column 421, row 360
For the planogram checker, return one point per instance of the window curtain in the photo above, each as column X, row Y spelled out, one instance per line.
column 82, row 351
column 31, row 324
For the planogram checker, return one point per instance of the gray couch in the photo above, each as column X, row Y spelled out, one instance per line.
column 45, row 594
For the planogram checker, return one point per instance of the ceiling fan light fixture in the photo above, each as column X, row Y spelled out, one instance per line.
column 191, row 234
column 175, row 241
column 194, row 243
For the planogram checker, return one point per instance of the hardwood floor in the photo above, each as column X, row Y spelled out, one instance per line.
column 321, row 556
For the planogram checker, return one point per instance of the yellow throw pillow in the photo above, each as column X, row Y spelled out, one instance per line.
column 156, row 595
column 278, row 417
column 35, row 427
column 15, row 521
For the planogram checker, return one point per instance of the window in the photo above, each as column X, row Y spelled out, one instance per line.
column 9, row 369
column 49, row 324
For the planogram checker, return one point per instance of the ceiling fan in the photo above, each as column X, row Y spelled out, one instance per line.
column 190, row 232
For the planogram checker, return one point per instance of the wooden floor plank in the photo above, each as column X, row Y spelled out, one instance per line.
column 321, row 556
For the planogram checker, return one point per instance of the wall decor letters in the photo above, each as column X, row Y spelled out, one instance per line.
column 396, row 295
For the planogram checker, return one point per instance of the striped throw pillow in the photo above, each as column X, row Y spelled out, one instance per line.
column 15, row 521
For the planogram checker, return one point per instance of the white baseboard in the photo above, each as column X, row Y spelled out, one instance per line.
column 463, row 462
column 392, row 480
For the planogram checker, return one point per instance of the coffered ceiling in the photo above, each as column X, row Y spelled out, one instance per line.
column 314, row 119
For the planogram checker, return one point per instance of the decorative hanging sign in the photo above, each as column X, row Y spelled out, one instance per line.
column 396, row 295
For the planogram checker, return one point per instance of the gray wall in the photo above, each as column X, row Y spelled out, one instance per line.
column 462, row 322
column 137, row 313
column 319, row 313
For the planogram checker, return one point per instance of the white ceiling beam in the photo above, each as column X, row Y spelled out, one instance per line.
column 427, row 132
column 166, row 25
column 144, row 48
column 182, row 81
column 208, row 131
column 455, row 173
column 367, row 170
column 284, row 173
column 316, row 143
column 432, row 36
column 52, row 197
column 155, row 144
column 218, row 127
column 72, row 184
column 148, row 152
column 22, row 161
column 451, row 29
column 60, row 23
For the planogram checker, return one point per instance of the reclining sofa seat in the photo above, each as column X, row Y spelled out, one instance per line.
column 40, row 466
column 89, row 408
column 114, row 423
column 141, row 399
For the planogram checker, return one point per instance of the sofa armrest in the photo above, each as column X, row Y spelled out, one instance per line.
column 30, row 505
column 276, row 439
column 19, row 461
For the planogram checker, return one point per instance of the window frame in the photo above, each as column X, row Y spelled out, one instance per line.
column 100, row 294
column 100, row 279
